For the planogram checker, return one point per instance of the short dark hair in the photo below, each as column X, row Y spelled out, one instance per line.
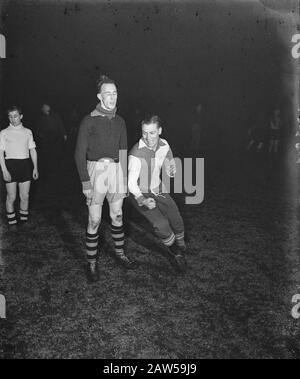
column 14, row 108
column 104, row 80
column 152, row 119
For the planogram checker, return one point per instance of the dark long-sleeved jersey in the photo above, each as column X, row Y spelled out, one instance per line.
column 99, row 136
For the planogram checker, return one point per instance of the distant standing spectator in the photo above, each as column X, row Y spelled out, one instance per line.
column 297, row 138
column 51, row 135
column 257, row 137
column 274, row 132
column 73, row 127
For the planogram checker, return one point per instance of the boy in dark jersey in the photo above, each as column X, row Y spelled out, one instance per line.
column 102, row 139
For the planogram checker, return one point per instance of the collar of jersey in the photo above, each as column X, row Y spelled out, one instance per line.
column 100, row 111
column 16, row 127
column 142, row 144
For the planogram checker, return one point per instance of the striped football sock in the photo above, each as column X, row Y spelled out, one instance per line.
column 169, row 240
column 180, row 240
column 11, row 218
column 23, row 215
column 91, row 243
column 118, row 237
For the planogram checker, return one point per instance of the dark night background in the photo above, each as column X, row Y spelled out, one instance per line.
column 168, row 56
column 233, row 57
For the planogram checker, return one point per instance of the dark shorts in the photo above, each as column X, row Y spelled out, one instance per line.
column 165, row 218
column 19, row 169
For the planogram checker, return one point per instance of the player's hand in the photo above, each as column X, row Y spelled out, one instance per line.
column 35, row 174
column 89, row 196
column 6, row 176
column 149, row 203
column 171, row 169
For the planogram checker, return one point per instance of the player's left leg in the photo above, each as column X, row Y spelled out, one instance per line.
column 92, row 240
column 24, row 189
column 115, row 196
column 117, row 233
column 162, row 229
column 169, row 208
column 11, row 189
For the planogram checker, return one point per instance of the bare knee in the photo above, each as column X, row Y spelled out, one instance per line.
column 94, row 222
column 116, row 217
column 10, row 198
column 24, row 197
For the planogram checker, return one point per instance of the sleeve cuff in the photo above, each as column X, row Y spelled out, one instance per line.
column 86, row 185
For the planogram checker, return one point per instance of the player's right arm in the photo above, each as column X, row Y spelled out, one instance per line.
column 6, row 174
column 81, row 160
column 134, row 169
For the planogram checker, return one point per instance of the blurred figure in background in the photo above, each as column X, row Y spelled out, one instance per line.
column 257, row 136
column 274, row 132
column 73, row 123
column 51, row 136
column 297, row 138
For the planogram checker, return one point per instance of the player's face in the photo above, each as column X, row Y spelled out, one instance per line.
column 108, row 96
column 15, row 118
column 150, row 134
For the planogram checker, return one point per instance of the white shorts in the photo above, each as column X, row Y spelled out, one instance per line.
column 107, row 180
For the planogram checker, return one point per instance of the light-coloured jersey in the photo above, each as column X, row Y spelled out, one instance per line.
column 145, row 166
column 16, row 141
